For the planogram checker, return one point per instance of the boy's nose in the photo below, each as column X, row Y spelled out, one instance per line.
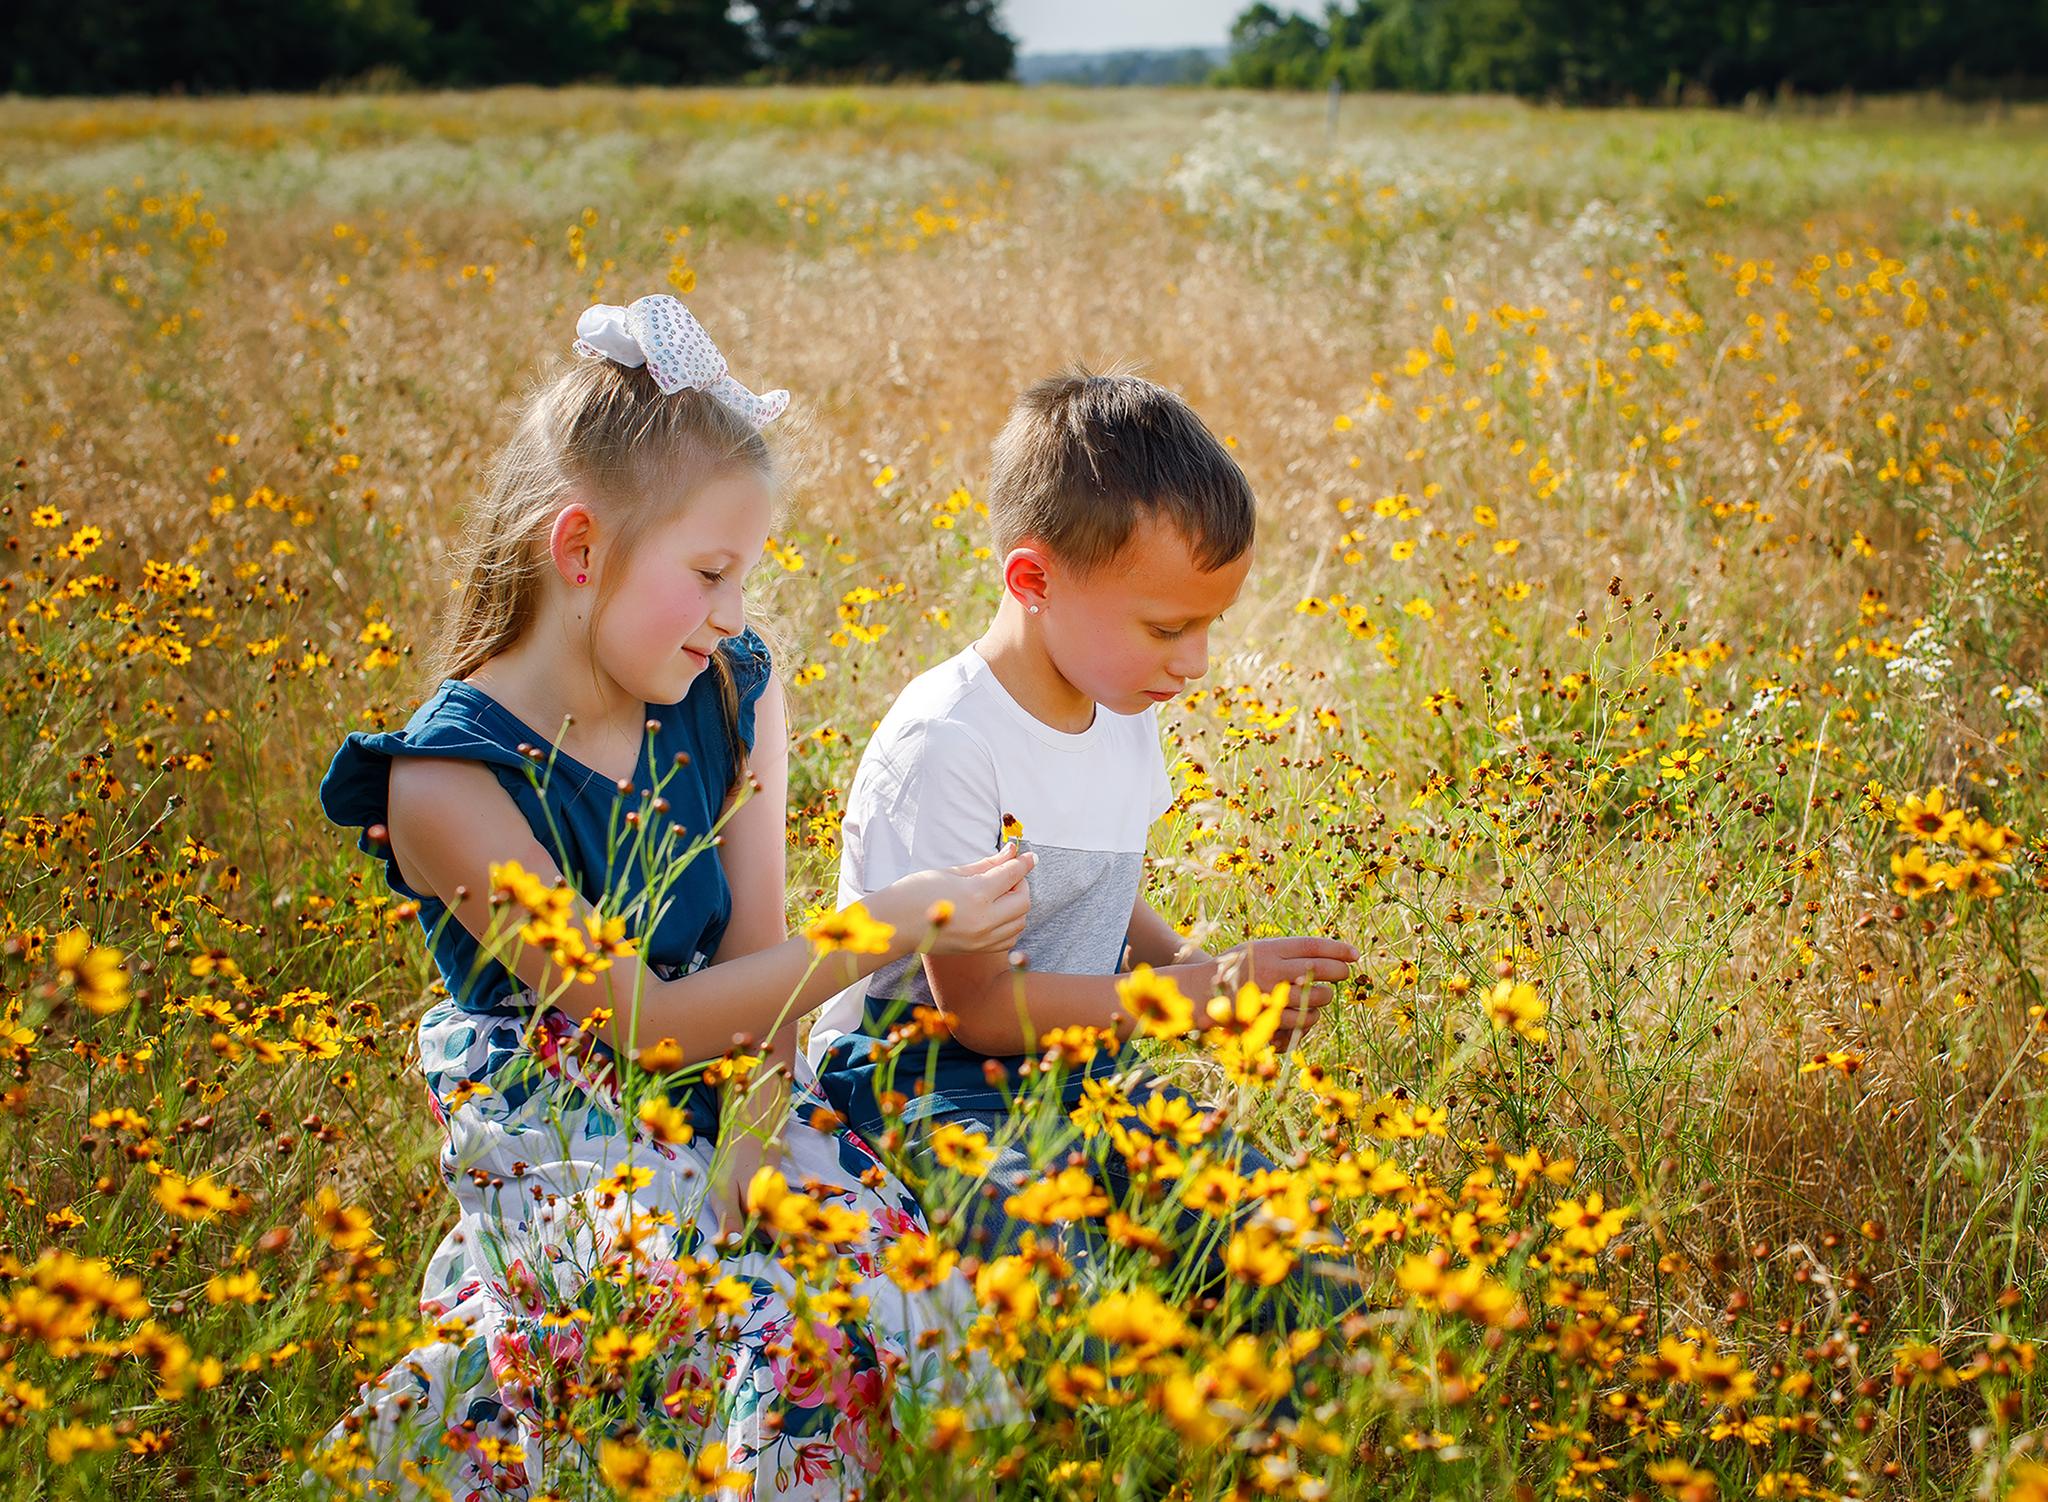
column 1191, row 657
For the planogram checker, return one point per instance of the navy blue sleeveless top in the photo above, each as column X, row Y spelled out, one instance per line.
column 676, row 903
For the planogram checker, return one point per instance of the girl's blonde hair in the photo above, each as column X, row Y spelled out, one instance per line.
column 605, row 434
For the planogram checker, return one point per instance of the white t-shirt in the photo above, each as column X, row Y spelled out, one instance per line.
column 953, row 757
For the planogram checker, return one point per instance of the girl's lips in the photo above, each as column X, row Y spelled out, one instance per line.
column 702, row 659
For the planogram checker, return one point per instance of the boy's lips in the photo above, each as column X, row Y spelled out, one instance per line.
column 1158, row 696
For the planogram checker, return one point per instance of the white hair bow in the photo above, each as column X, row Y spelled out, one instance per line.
column 660, row 333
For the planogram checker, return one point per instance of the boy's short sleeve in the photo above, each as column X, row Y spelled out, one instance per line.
column 1159, row 784
column 948, row 813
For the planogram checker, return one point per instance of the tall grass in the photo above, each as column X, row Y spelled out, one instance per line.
column 1651, row 524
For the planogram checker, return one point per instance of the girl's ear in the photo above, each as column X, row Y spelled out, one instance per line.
column 569, row 543
column 1026, row 574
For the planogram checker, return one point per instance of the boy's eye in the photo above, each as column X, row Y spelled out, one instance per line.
column 712, row 576
column 1169, row 633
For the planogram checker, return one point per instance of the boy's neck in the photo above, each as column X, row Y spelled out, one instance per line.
column 1015, row 652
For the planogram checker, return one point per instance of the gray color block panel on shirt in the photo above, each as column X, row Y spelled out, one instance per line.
column 1081, row 902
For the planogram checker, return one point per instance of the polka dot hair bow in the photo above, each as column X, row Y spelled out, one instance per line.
column 663, row 335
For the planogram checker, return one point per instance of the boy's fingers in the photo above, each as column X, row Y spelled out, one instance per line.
column 1318, row 948
column 1307, row 947
column 1314, row 970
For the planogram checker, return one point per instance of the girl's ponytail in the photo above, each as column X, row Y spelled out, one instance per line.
column 606, row 434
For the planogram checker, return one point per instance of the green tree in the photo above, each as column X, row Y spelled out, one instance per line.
column 881, row 39
column 1271, row 50
column 1607, row 51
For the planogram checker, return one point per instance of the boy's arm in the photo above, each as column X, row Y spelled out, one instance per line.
column 997, row 1011
column 1155, row 942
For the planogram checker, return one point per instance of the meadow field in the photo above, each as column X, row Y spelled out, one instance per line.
column 1643, row 663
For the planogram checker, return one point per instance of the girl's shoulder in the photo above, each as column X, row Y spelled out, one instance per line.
column 457, row 722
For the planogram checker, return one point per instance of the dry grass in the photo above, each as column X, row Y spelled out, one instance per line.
column 1713, row 495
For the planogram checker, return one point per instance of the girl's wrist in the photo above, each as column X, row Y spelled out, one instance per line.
column 906, row 928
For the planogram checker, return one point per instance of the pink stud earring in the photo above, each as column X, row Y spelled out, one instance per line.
column 582, row 578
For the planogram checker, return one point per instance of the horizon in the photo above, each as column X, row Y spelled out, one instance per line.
column 1042, row 26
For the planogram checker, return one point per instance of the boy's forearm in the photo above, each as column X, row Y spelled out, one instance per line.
column 1156, row 942
column 1013, row 1010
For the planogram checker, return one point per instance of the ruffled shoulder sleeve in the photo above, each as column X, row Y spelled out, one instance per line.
column 747, row 655
column 356, row 792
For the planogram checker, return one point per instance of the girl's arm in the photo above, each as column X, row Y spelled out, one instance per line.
column 450, row 821
column 754, row 848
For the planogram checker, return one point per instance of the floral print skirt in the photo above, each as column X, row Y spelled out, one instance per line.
column 779, row 1369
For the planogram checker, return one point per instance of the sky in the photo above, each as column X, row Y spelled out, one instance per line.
column 1109, row 25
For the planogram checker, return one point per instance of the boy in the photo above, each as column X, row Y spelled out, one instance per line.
column 1124, row 530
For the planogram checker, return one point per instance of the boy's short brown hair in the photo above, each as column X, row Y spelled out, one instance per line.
column 1082, row 455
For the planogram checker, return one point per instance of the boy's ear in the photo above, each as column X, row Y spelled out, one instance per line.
column 569, row 542
column 1026, row 573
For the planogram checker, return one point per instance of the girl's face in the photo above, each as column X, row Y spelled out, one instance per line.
column 678, row 593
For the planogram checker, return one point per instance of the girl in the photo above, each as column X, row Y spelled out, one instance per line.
column 607, row 719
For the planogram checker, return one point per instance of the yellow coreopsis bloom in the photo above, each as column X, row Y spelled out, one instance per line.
column 960, row 1149
column 1259, row 1254
column 1928, row 816
column 1071, row 1194
column 1466, row 1292
column 662, row 1121
column 1249, row 1019
column 340, row 1225
column 94, row 972
column 641, row 1474
column 916, row 1262
column 1137, row 1318
column 851, row 929
column 1157, row 1001
column 1589, row 1225
column 1915, row 877
column 1515, row 1005
column 1006, row 1288
column 197, row 1199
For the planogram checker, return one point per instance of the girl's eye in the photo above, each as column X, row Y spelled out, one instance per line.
column 1164, row 634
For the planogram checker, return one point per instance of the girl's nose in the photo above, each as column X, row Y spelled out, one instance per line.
column 728, row 611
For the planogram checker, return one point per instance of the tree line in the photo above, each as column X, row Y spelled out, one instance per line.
column 1611, row 51
column 214, row 46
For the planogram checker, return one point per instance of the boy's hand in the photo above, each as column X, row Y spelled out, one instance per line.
column 1309, row 966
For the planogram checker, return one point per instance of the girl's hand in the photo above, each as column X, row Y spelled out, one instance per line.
column 984, row 903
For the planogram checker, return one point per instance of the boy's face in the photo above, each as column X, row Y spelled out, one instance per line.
column 1135, row 631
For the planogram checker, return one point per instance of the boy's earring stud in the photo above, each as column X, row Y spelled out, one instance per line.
column 1034, row 610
